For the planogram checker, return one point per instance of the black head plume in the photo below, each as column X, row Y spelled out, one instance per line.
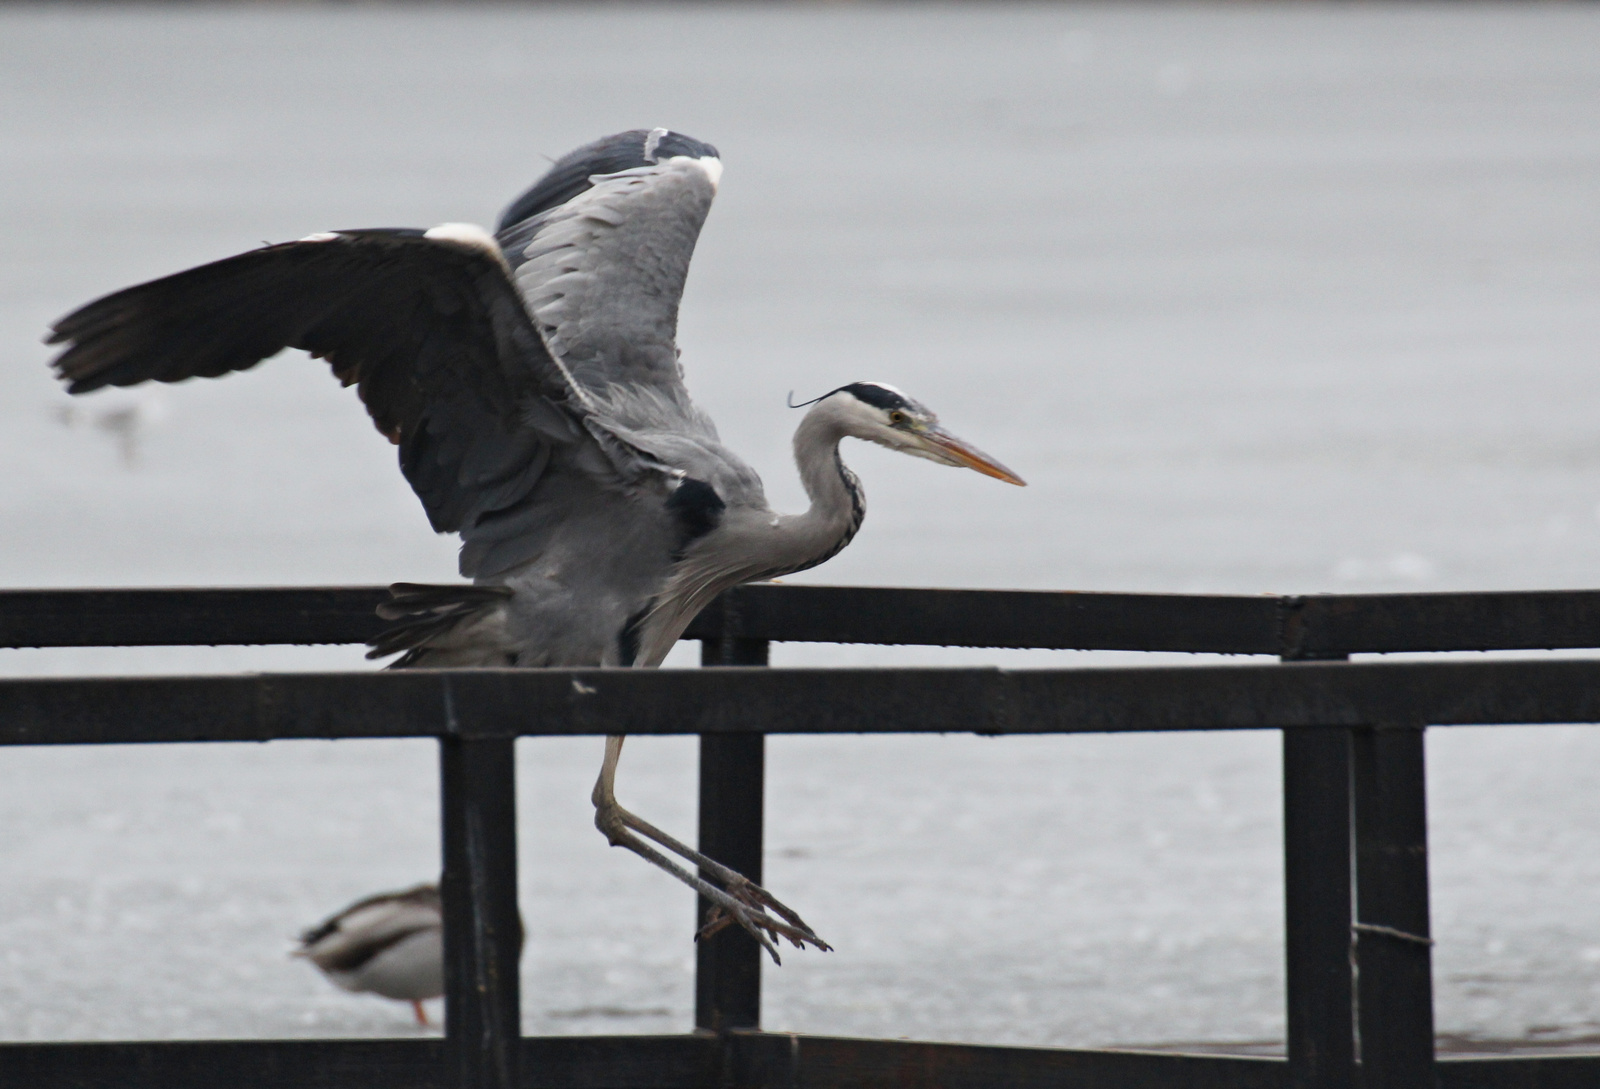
column 872, row 393
column 877, row 395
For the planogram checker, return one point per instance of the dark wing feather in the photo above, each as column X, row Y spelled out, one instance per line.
column 431, row 332
column 574, row 172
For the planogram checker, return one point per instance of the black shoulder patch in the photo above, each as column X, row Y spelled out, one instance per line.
column 875, row 395
column 697, row 507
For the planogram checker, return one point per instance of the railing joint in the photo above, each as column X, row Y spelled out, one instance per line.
column 1291, row 627
column 1390, row 932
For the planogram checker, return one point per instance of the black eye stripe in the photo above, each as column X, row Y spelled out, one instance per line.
column 875, row 395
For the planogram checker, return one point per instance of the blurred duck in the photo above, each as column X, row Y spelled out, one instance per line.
column 391, row 944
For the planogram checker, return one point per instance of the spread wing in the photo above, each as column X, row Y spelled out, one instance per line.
column 426, row 325
column 602, row 274
column 525, row 379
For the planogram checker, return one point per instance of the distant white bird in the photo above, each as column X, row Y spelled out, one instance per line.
column 391, row 944
column 125, row 416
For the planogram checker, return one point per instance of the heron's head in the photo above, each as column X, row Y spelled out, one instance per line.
column 882, row 414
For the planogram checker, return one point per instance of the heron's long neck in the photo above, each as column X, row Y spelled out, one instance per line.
column 767, row 545
column 837, row 502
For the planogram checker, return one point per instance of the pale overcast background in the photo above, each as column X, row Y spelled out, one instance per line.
column 1259, row 298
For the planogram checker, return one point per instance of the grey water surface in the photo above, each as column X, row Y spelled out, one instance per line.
column 1259, row 298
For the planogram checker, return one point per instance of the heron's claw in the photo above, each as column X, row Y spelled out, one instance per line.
column 749, row 908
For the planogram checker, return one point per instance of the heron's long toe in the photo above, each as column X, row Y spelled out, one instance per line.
column 759, row 904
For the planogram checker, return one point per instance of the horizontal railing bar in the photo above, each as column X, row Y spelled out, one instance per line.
column 999, row 618
column 995, row 618
column 780, row 1060
column 1326, row 624
column 245, row 616
column 529, row 702
column 548, row 1062
column 772, row 1059
column 1295, row 627
column 237, row 1064
column 1529, row 1072
column 757, row 1061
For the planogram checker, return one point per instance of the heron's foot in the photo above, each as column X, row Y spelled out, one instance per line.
column 762, row 906
column 738, row 900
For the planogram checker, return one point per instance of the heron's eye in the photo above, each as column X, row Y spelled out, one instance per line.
column 897, row 418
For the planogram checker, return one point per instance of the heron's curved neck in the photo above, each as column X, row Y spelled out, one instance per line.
column 766, row 545
column 837, row 502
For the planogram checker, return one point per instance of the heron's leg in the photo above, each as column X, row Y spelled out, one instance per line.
column 422, row 1014
column 742, row 901
column 610, row 817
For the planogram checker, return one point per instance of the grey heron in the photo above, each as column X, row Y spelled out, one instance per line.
column 531, row 381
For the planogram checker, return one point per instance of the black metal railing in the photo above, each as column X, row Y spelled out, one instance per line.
column 1356, row 877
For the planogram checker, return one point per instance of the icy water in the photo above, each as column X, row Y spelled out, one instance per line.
column 1258, row 298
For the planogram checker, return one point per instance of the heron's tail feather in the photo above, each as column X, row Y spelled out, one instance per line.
column 431, row 619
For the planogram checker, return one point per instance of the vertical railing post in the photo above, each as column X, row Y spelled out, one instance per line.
column 482, row 929
column 1317, row 912
column 1392, row 934
column 727, row 990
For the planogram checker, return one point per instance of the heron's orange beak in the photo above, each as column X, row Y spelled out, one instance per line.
column 957, row 452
